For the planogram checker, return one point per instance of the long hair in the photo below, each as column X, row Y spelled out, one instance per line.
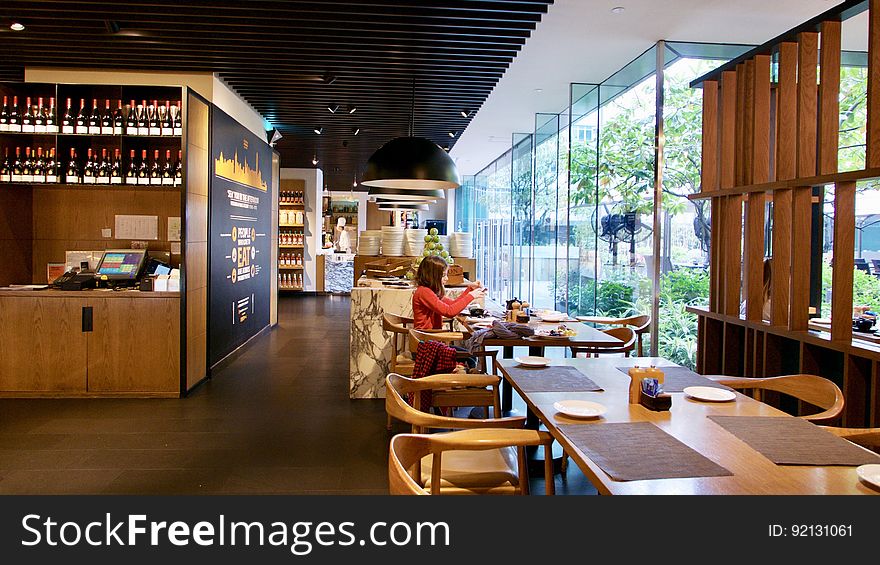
column 430, row 274
column 768, row 275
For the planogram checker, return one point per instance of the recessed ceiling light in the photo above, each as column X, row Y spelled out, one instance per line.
column 319, row 131
column 333, row 108
column 329, row 78
column 539, row 90
column 17, row 26
column 617, row 10
column 352, row 110
column 452, row 133
column 315, row 160
column 465, row 113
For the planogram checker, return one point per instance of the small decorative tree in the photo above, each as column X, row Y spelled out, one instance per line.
column 433, row 247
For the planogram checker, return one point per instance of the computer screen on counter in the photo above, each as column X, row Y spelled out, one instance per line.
column 122, row 264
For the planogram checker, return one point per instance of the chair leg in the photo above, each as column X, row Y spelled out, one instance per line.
column 388, row 423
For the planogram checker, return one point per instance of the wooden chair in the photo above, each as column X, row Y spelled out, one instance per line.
column 866, row 437
column 398, row 327
column 490, row 459
column 471, row 392
column 812, row 389
column 625, row 334
column 640, row 324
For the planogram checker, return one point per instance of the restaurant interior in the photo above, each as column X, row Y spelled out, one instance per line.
column 527, row 247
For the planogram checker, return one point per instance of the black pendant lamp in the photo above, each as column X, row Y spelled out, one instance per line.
column 403, row 194
column 411, row 164
column 403, row 207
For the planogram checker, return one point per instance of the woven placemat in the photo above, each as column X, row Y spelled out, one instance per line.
column 551, row 379
column 794, row 441
column 638, row 451
column 676, row 379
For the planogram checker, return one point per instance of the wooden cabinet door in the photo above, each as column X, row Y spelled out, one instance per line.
column 135, row 345
column 43, row 346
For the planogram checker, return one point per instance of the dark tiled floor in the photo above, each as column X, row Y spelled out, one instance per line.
column 276, row 420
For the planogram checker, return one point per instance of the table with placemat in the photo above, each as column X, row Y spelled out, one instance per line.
column 698, row 446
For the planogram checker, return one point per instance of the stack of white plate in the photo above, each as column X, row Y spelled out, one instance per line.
column 462, row 244
column 369, row 242
column 392, row 241
column 415, row 242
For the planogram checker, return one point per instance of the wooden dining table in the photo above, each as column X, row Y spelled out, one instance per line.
column 688, row 422
column 587, row 337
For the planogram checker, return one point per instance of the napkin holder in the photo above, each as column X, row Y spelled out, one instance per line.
column 658, row 403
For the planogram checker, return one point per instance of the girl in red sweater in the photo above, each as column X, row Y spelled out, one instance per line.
column 430, row 303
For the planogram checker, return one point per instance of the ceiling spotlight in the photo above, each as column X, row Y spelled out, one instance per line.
column 333, row 108
column 319, row 131
column 355, row 131
column 617, row 10
column 446, row 148
column 17, row 26
column 354, row 184
column 315, row 160
column 352, row 110
column 329, row 78
column 453, row 133
column 465, row 113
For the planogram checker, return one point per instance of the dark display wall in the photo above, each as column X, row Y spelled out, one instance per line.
column 240, row 228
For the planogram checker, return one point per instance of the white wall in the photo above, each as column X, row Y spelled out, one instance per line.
column 314, row 179
column 230, row 102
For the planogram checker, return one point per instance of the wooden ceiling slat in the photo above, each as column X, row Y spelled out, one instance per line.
column 277, row 53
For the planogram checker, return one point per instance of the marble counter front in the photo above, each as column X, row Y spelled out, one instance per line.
column 370, row 346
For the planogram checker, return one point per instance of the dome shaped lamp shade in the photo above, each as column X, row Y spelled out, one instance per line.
column 403, row 207
column 413, row 164
column 382, row 202
column 404, row 194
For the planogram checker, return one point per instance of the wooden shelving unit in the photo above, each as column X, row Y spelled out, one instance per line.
column 777, row 142
column 291, row 241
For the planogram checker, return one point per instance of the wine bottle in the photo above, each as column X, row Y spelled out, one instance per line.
column 4, row 115
column 155, row 170
column 143, row 129
column 68, row 122
column 39, row 117
column 5, row 167
column 82, row 119
column 17, row 166
column 26, row 166
column 107, row 119
column 143, row 169
column 178, row 170
column 72, row 176
column 153, row 118
column 178, row 128
column 51, row 167
column 116, row 168
column 167, row 170
column 166, row 121
column 131, row 175
column 95, row 119
column 27, row 119
column 131, row 120
column 89, row 172
column 37, row 172
column 102, row 170
column 14, row 124
column 118, row 120
column 51, row 120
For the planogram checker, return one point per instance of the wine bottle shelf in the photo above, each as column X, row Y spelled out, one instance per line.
column 291, row 225
column 66, row 185
column 296, row 288
column 106, row 135
column 290, row 267
column 290, row 205
column 292, row 246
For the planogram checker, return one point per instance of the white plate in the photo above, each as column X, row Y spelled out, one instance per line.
column 579, row 408
column 532, row 361
column 552, row 317
column 709, row 394
column 870, row 474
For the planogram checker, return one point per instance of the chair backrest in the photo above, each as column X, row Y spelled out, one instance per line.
column 407, row 451
column 866, row 437
column 395, row 323
column 398, row 386
column 625, row 334
column 813, row 389
column 418, row 336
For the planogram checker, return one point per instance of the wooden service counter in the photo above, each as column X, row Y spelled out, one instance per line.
column 90, row 343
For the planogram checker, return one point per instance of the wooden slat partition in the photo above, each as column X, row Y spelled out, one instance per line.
column 801, row 222
column 709, row 179
column 872, row 138
column 786, row 113
column 829, row 104
column 731, row 208
column 808, row 59
column 842, row 269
